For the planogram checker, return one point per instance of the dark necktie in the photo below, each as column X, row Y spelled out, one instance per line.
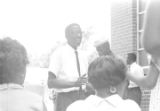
column 79, row 72
column 78, row 64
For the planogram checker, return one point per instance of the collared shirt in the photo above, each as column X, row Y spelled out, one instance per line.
column 155, row 93
column 14, row 97
column 137, row 70
column 63, row 64
column 111, row 103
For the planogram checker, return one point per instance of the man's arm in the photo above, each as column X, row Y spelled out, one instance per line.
column 151, row 37
column 148, row 81
column 53, row 82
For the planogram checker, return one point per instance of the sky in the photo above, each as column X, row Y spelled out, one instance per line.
column 39, row 24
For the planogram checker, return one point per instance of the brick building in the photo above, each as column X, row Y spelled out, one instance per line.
column 126, row 30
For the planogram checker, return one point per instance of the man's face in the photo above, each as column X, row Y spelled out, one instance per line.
column 74, row 36
column 103, row 49
column 128, row 60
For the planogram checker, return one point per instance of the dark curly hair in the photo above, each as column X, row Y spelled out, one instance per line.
column 13, row 61
column 69, row 28
column 106, row 71
column 132, row 56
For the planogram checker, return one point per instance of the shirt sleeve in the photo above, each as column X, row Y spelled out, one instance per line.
column 137, row 70
column 55, row 62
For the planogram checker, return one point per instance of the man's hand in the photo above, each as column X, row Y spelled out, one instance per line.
column 81, row 81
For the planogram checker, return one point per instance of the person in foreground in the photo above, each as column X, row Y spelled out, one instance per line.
column 151, row 42
column 107, row 76
column 13, row 96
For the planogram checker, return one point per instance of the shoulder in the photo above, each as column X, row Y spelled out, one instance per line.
column 58, row 52
column 59, row 49
column 33, row 99
column 130, row 105
column 76, row 106
column 136, row 67
column 24, row 98
column 32, row 96
column 64, row 48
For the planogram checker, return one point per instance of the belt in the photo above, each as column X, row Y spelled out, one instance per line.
column 71, row 89
column 80, row 93
column 80, row 90
column 74, row 91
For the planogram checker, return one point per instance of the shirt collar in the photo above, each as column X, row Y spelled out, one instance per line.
column 114, row 100
column 10, row 86
column 71, row 48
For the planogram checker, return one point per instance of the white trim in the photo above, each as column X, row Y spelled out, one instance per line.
column 142, row 12
column 141, row 30
column 140, row 49
column 137, row 30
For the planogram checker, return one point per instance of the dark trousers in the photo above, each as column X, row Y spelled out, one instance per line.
column 134, row 94
column 64, row 99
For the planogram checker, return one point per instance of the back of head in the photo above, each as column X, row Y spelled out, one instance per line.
column 103, row 48
column 13, row 61
column 131, row 57
column 106, row 71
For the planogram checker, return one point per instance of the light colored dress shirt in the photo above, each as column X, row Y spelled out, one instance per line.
column 14, row 97
column 136, row 70
column 63, row 64
column 155, row 94
column 112, row 103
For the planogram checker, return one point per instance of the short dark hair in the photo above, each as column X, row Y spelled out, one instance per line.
column 106, row 71
column 104, row 49
column 13, row 61
column 68, row 28
column 132, row 56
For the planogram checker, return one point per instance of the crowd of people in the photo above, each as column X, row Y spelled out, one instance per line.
column 107, row 83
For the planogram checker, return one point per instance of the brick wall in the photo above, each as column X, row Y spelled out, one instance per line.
column 145, row 99
column 123, row 30
column 124, row 35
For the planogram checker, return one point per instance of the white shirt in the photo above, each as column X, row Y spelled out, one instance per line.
column 155, row 94
column 137, row 70
column 14, row 97
column 63, row 64
column 112, row 103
